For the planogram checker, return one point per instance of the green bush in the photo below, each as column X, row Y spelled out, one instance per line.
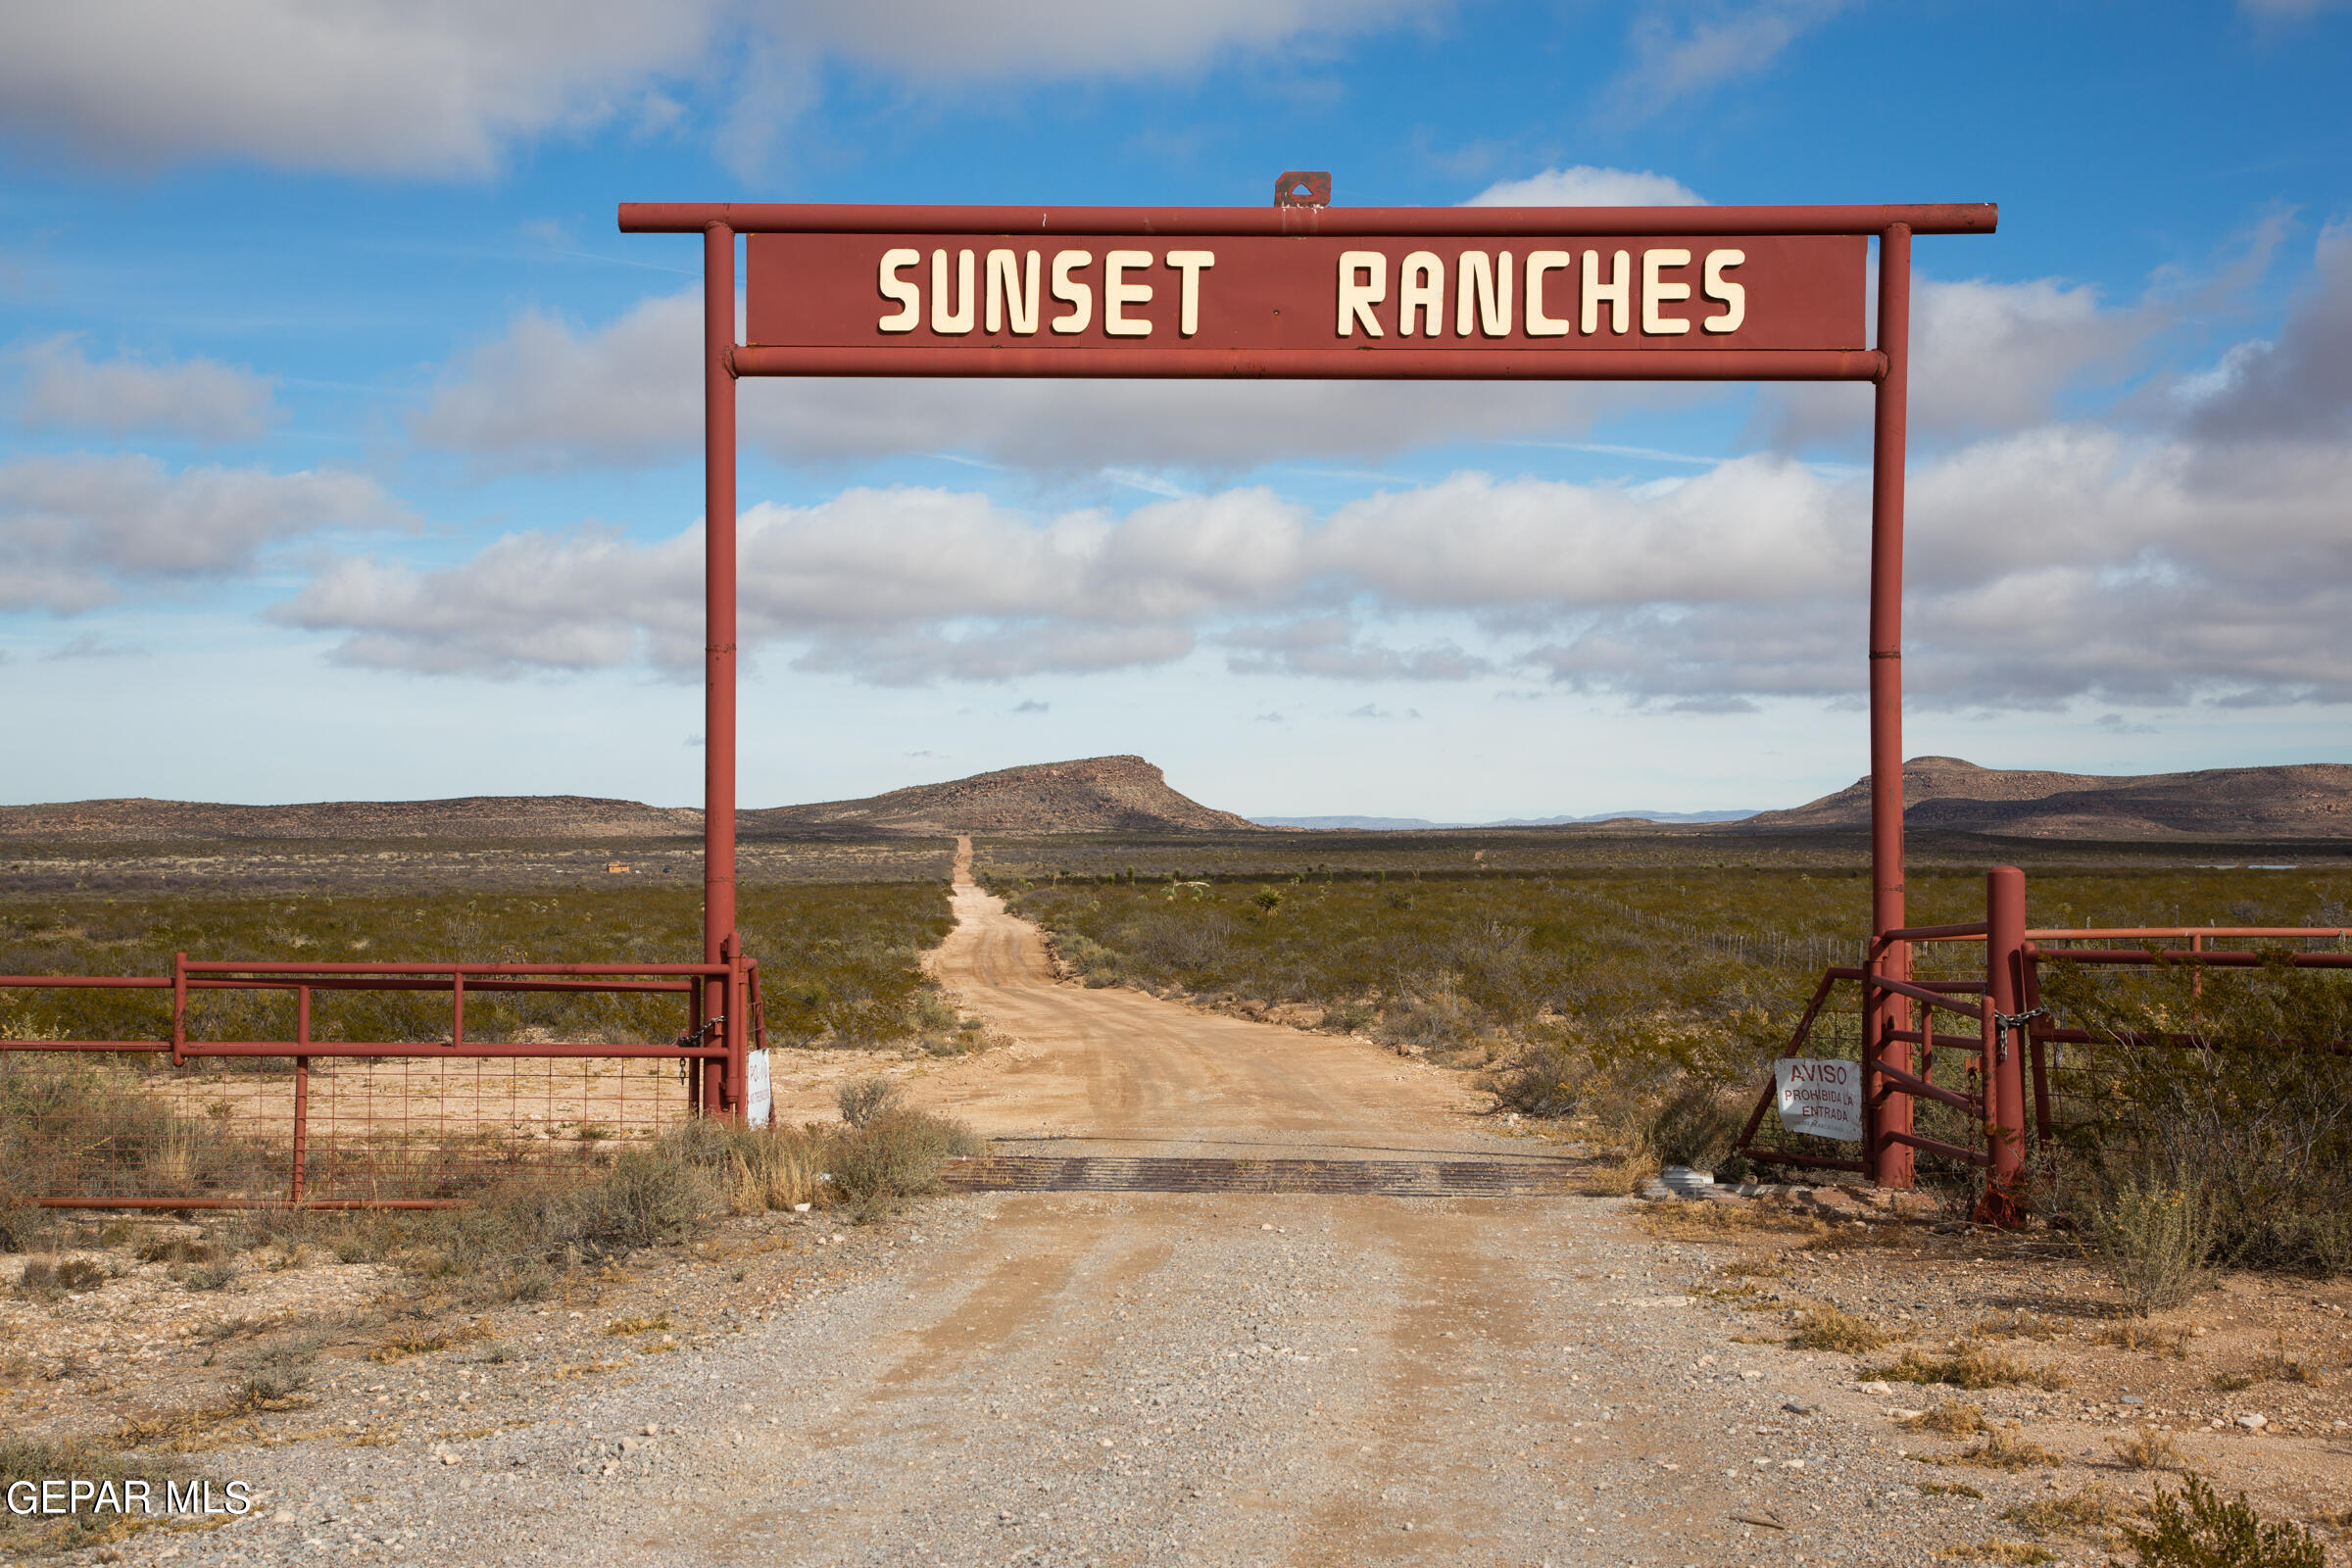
column 2220, row 1086
column 2208, row 1533
column 862, row 1100
column 1693, row 1127
column 894, row 1155
column 2155, row 1240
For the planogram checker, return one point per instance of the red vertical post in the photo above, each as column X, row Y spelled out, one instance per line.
column 2005, row 1074
column 179, row 1008
column 1889, row 1161
column 302, row 1091
column 719, row 637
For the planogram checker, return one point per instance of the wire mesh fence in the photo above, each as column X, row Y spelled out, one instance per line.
column 113, row 1128
column 207, row 1117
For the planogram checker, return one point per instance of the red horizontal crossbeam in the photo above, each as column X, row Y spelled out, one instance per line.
column 2217, row 960
column 785, row 218
column 446, row 1051
column 1317, row 365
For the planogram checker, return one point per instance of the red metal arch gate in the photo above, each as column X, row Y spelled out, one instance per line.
column 1316, row 293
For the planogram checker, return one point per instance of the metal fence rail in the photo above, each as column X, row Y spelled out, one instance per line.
column 186, row 1121
column 2007, row 1054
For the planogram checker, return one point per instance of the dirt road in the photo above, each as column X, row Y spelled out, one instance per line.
column 1084, row 1377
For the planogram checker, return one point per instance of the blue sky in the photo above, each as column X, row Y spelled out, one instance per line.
column 346, row 450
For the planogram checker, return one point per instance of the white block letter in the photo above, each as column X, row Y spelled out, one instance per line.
column 956, row 323
column 1538, row 322
column 1618, row 291
column 1733, row 297
column 1485, row 287
column 1421, row 289
column 1076, row 295
column 1192, row 264
column 1357, row 298
column 895, row 287
column 1655, row 292
column 1117, row 291
column 1009, row 297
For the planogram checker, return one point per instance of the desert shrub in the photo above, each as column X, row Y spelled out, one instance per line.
column 2232, row 1146
column 862, row 1100
column 76, row 1127
column 216, row 1275
column 840, row 964
column 2154, row 1240
column 894, row 1155
column 1438, row 1022
column 280, row 1370
column 1971, row 1367
column 2148, row 1448
column 1828, row 1328
column 22, row 1224
column 1693, row 1127
column 1543, row 1080
column 1951, row 1418
column 2093, row 1511
column 2193, row 1528
column 2009, row 1448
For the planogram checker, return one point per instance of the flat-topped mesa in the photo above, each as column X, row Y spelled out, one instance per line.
column 1088, row 794
column 2297, row 801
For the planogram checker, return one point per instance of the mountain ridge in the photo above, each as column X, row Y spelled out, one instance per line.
column 2294, row 800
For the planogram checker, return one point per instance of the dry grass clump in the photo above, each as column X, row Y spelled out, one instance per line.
column 47, row 1280
column 2283, row 1366
column 280, row 1371
column 1829, row 1328
column 1623, row 1176
column 2138, row 1334
column 2149, row 1449
column 1951, row 1418
column 2018, row 1324
column 1995, row 1549
column 2093, row 1512
column 1971, row 1367
column 2009, row 1448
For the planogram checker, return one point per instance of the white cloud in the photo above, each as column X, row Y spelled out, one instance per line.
column 441, row 87
column 1986, row 357
column 1583, row 185
column 201, row 398
column 74, row 530
column 1673, row 62
column 2300, row 385
column 2057, row 563
column 548, row 395
column 374, row 86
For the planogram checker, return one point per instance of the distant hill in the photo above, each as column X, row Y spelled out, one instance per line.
column 479, row 816
column 1421, row 824
column 1091, row 794
column 2305, row 800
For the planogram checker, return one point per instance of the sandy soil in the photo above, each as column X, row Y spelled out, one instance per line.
column 1104, row 1379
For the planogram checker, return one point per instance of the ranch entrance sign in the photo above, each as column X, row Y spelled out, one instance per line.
column 1307, row 291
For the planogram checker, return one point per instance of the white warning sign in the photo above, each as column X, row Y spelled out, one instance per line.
column 1821, row 1097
